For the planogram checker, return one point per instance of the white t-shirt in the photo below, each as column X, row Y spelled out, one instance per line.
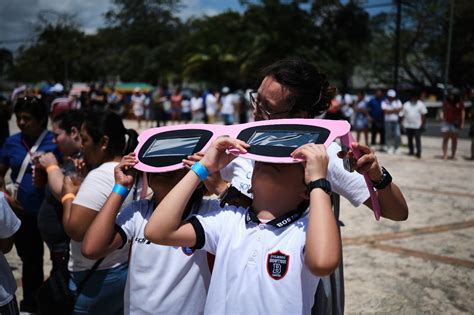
column 259, row 268
column 94, row 191
column 185, row 106
column 196, row 103
column 138, row 104
column 351, row 186
column 9, row 224
column 387, row 105
column 161, row 279
column 412, row 114
column 211, row 104
column 228, row 104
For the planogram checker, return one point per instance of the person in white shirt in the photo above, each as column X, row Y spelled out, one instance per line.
column 9, row 225
column 104, row 142
column 227, row 110
column 294, row 88
column 197, row 107
column 413, row 114
column 161, row 279
column 392, row 108
column 211, row 106
column 138, row 105
column 275, row 251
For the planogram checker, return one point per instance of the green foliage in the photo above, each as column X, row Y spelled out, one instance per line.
column 145, row 41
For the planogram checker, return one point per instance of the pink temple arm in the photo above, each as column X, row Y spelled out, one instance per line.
column 347, row 140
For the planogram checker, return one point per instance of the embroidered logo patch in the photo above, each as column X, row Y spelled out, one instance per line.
column 277, row 264
column 187, row 251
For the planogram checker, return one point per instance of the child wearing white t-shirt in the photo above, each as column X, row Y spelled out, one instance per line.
column 269, row 257
column 9, row 225
column 161, row 279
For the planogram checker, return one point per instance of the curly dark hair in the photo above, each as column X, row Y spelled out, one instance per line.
column 309, row 88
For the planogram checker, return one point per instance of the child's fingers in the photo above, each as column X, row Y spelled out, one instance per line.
column 188, row 163
column 196, row 157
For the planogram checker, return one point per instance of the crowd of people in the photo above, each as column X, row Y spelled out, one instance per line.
column 175, row 248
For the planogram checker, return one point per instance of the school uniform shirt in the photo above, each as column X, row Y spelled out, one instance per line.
column 94, row 191
column 12, row 154
column 161, row 279
column 259, row 268
column 412, row 114
column 349, row 185
column 9, row 225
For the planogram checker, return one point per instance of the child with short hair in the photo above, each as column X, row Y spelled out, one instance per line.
column 161, row 279
column 270, row 256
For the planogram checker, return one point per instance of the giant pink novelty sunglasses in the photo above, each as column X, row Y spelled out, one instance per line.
column 163, row 149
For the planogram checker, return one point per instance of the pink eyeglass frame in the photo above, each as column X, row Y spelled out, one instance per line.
column 337, row 129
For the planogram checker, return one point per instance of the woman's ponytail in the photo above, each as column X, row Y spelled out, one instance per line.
column 131, row 141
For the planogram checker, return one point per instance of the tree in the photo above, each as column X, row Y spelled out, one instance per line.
column 55, row 54
column 6, row 61
column 423, row 44
column 343, row 35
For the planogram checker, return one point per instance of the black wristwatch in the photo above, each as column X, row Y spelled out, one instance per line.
column 385, row 181
column 322, row 183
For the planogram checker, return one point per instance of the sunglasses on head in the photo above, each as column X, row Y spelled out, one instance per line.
column 163, row 149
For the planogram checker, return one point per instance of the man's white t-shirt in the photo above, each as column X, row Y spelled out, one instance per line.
column 94, row 191
column 390, row 105
column 228, row 104
column 138, row 104
column 211, row 104
column 161, row 279
column 259, row 268
column 412, row 114
column 349, row 185
column 196, row 103
column 9, row 225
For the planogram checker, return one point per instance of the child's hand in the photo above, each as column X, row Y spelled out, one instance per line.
column 367, row 162
column 217, row 157
column 124, row 173
column 196, row 157
column 315, row 161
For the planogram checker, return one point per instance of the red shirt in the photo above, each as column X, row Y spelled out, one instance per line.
column 452, row 113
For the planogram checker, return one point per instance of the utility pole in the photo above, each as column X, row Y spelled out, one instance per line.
column 397, row 43
column 448, row 49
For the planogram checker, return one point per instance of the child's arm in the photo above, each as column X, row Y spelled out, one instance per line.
column 165, row 226
column 323, row 244
column 101, row 238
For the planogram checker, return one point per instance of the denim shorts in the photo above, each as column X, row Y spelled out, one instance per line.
column 103, row 292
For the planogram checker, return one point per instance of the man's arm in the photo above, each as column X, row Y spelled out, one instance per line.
column 392, row 202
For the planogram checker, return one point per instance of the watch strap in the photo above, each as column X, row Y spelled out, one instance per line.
column 322, row 183
column 385, row 181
